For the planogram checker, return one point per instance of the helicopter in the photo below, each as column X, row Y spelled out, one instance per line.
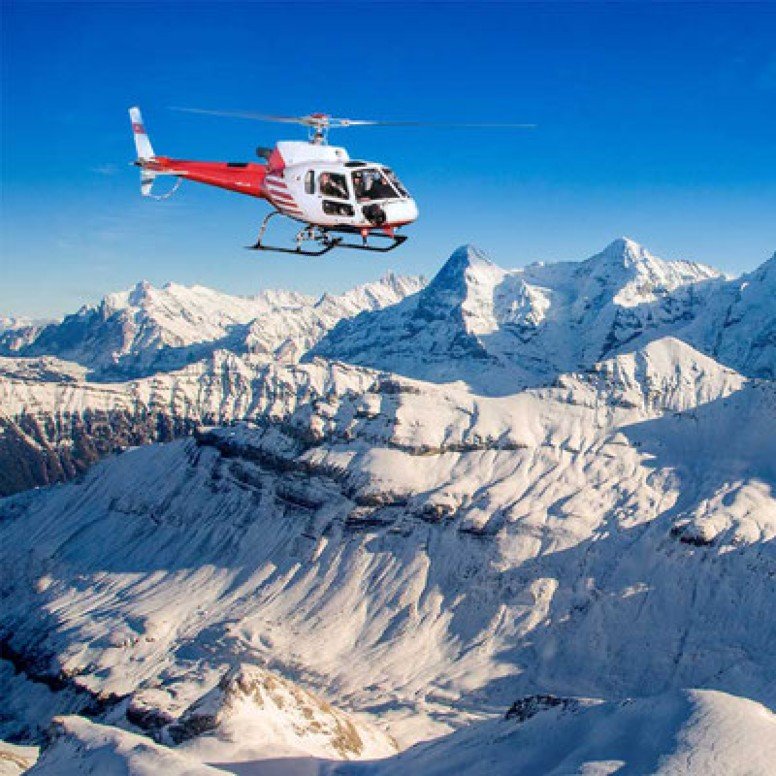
column 336, row 199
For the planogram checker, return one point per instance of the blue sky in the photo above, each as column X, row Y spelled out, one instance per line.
column 657, row 121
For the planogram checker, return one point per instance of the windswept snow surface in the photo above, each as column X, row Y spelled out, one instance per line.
column 15, row 759
column 571, row 569
column 688, row 732
column 81, row 746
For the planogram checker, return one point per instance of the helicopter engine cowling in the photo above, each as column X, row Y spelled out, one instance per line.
column 374, row 214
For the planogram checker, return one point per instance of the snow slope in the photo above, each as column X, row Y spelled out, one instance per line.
column 16, row 759
column 80, row 746
column 415, row 557
column 681, row 733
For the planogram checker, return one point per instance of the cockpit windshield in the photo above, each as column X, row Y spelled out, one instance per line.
column 391, row 175
column 371, row 184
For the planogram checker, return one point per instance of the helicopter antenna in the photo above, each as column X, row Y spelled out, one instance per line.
column 319, row 124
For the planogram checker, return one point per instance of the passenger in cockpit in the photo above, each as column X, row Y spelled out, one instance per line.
column 333, row 186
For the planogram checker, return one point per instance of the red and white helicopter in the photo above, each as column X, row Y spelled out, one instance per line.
column 310, row 182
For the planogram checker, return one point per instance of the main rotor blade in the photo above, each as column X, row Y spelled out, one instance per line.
column 245, row 115
column 332, row 122
column 445, row 124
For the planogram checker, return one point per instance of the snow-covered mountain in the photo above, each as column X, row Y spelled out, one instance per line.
column 683, row 732
column 16, row 333
column 77, row 393
column 572, row 570
column 500, row 331
column 148, row 330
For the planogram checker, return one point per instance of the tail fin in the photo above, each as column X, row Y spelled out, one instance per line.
column 145, row 151
column 142, row 143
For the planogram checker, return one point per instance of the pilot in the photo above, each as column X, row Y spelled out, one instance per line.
column 380, row 188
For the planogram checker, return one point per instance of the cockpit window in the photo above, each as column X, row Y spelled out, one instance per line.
column 391, row 175
column 371, row 184
column 332, row 184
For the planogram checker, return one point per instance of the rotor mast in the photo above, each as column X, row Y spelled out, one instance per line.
column 318, row 132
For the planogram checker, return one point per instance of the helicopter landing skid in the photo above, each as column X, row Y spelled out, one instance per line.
column 323, row 237
column 396, row 241
column 307, row 233
column 299, row 251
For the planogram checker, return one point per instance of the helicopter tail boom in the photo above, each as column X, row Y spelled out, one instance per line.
column 242, row 177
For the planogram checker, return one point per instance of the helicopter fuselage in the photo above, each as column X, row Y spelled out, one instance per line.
column 314, row 184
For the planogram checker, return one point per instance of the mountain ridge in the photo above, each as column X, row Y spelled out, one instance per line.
column 529, row 325
column 145, row 329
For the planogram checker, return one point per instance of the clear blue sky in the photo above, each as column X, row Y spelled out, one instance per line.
column 656, row 121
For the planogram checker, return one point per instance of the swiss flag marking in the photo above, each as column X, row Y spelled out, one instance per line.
column 138, row 128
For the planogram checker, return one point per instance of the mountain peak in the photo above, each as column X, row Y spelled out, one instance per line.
column 624, row 252
column 453, row 274
column 467, row 256
column 625, row 244
column 140, row 292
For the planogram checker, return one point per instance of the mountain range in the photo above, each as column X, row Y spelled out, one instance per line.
column 520, row 521
column 73, row 391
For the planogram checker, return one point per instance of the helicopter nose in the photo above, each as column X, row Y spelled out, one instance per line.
column 403, row 211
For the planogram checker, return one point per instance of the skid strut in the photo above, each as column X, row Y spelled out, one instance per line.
column 326, row 238
column 305, row 234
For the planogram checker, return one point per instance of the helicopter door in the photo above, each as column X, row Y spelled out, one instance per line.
column 333, row 189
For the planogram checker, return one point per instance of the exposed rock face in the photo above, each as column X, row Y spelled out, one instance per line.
column 38, row 450
column 525, row 708
column 253, row 703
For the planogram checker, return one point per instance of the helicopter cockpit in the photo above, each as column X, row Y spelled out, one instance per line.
column 374, row 183
column 367, row 189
